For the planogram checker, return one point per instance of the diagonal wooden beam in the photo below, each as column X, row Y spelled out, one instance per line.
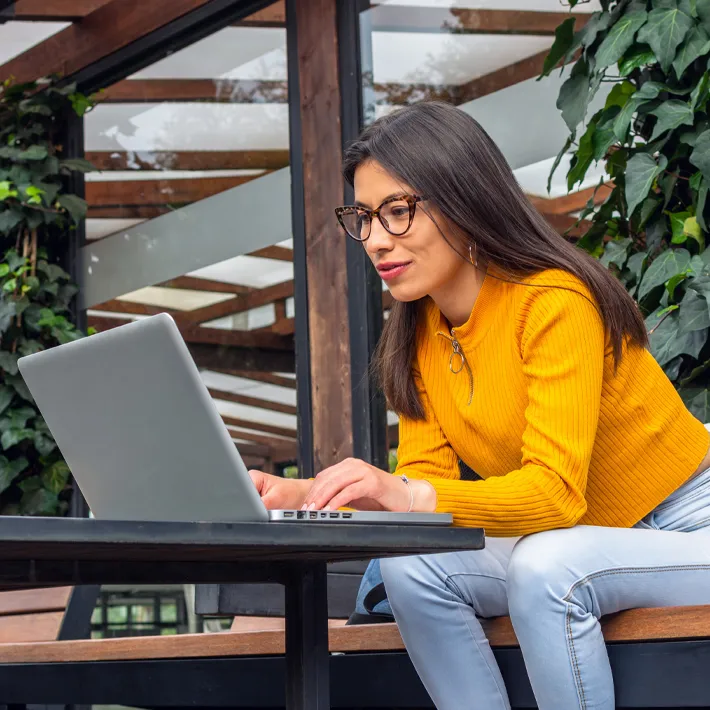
column 189, row 160
column 105, row 30
column 208, row 336
column 55, row 10
column 399, row 18
column 254, row 299
column 573, row 202
column 193, row 283
column 232, row 91
column 282, row 446
column 120, row 193
column 274, row 252
column 522, row 70
column 259, row 426
column 252, row 401
column 267, row 377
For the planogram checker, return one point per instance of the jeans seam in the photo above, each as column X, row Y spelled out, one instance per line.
column 606, row 573
column 573, row 658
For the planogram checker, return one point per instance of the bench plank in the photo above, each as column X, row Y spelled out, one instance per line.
column 17, row 628
column 637, row 624
column 34, row 601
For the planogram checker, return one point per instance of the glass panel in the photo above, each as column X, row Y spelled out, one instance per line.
column 191, row 215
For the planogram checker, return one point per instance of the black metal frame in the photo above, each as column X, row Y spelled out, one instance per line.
column 369, row 411
column 73, row 137
column 648, row 675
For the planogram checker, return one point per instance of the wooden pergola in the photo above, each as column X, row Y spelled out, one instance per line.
column 89, row 49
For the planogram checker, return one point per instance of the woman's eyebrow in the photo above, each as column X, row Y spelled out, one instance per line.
column 357, row 203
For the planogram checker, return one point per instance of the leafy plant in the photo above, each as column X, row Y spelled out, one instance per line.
column 36, row 213
column 653, row 137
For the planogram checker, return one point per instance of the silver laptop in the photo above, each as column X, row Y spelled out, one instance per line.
column 143, row 437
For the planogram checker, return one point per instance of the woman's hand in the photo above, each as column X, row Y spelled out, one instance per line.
column 357, row 484
column 280, row 493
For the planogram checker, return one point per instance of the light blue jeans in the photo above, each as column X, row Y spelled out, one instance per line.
column 555, row 585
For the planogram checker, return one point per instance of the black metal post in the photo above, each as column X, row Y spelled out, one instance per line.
column 74, row 148
column 369, row 414
column 307, row 656
column 300, row 276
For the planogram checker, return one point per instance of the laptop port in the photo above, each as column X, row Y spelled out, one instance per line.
column 301, row 514
column 335, row 515
column 347, row 515
column 289, row 514
column 313, row 515
column 324, row 515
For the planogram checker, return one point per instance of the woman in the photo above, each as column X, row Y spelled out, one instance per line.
column 514, row 351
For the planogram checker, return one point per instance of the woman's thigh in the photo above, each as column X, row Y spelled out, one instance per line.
column 477, row 578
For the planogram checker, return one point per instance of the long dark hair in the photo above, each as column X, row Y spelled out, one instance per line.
column 445, row 155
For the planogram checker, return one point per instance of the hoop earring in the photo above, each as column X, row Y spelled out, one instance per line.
column 470, row 255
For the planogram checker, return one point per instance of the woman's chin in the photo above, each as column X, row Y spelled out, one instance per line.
column 403, row 294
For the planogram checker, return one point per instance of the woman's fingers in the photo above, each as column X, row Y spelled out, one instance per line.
column 347, row 495
column 324, row 489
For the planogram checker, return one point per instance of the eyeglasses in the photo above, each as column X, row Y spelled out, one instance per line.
column 395, row 214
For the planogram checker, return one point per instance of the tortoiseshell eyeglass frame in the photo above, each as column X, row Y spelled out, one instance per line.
column 411, row 200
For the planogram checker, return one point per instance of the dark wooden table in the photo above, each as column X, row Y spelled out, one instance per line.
column 74, row 551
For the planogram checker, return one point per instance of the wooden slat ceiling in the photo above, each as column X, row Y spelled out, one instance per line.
column 102, row 26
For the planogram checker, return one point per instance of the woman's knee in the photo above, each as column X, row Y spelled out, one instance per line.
column 540, row 571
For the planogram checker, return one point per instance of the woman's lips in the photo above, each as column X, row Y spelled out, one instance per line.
column 389, row 273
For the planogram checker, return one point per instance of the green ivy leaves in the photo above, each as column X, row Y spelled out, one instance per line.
column 664, row 30
column 36, row 213
column 641, row 171
column 619, row 39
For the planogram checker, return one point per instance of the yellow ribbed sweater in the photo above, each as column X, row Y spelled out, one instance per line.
column 558, row 436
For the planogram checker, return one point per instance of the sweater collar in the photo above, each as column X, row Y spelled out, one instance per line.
column 472, row 332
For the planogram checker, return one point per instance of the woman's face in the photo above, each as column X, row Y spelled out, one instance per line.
column 418, row 263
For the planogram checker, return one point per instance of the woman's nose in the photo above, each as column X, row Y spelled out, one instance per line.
column 379, row 238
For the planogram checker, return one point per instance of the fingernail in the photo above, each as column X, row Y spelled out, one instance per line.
column 327, row 507
column 304, row 506
column 311, row 506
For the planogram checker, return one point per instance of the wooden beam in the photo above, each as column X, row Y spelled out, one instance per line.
column 267, row 377
column 258, row 426
column 399, row 18
column 320, row 140
column 209, row 336
column 243, row 91
column 232, row 91
column 501, row 78
column 253, row 299
column 192, row 283
column 190, row 160
column 283, row 446
column 573, row 202
column 55, row 10
column 272, row 16
column 274, row 252
column 104, row 31
column 252, row 401
column 133, row 212
column 121, row 193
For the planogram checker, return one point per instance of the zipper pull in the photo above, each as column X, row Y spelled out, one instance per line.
column 457, row 361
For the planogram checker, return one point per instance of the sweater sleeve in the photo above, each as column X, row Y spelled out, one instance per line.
column 424, row 451
column 562, row 341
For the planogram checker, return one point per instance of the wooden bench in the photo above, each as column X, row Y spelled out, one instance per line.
column 660, row 658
